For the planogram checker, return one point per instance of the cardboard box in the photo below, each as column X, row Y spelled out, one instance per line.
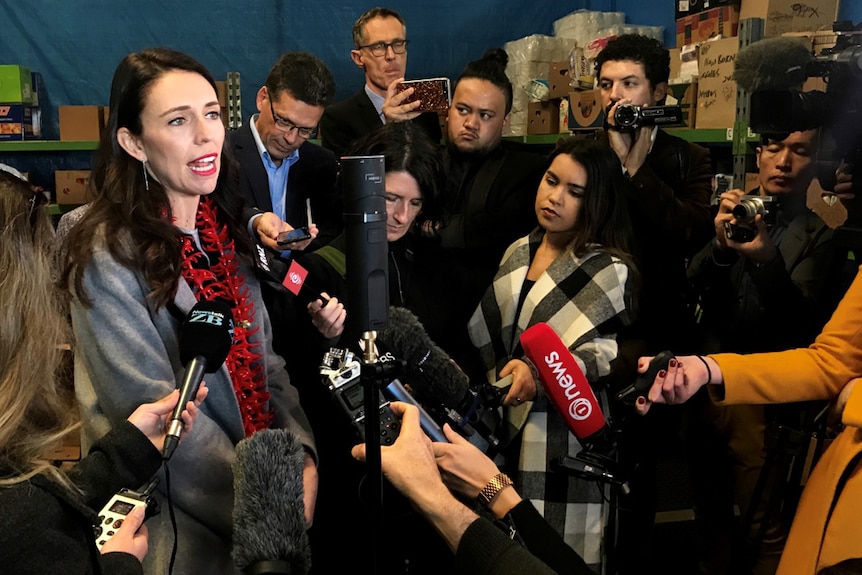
column 81, row 123
column 559, row 81
column 16, row 122
column 585, row 110
column 722, row 21
column 16, row 85
column 716, row 90
column 684, row 96
column 689, row 7
column 782, row 16
column 72, row 186
column 543, row 117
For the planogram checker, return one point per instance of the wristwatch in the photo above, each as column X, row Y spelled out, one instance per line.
column 490, row 491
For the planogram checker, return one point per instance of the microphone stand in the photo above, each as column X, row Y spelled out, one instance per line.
column 374, row 376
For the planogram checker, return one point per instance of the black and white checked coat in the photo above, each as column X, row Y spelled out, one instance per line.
column 584, row 299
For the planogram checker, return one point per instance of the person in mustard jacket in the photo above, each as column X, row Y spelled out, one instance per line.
column 826, row 529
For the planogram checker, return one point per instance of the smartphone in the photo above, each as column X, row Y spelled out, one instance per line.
column 293, row 236
column 434, row 94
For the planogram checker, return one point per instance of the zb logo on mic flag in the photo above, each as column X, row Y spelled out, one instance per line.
column 295, row 277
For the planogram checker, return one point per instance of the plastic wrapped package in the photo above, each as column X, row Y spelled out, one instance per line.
column 537, row 48
column 655, row 32
column 583, row 25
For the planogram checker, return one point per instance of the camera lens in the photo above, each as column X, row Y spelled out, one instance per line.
column 626, row 116
column 746, row 209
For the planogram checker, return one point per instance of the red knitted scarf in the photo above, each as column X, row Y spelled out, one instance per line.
column 214, row 274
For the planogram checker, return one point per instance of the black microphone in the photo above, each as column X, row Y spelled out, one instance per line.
column 772, row 64
column 205, row 340
column 366, row 248
column 432, row 376
column 269, row 535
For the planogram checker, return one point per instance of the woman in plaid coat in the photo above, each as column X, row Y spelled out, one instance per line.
column 574, row 273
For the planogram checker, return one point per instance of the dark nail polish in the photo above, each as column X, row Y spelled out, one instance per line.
column 662, row 373
column 672, row 363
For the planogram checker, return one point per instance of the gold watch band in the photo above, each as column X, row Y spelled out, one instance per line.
column 495, row 485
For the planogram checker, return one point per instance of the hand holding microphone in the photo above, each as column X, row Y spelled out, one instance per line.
column 153, row 418
column 205, row 340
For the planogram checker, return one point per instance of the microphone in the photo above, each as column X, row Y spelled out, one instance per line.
column 205, row 339
column 772, row 64
column 571, row 394
column 367, row 250
column 269, row 536
column 432, row 376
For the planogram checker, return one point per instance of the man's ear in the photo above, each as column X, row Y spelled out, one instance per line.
column 260, row 98
column 131, row 144
column 356, row 56
column 757, row 152
column 506, row 121
column 660, row 92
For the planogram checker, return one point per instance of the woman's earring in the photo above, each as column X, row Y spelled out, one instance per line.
column 146, row 181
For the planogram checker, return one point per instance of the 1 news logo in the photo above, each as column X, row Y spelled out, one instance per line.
column 580, row 408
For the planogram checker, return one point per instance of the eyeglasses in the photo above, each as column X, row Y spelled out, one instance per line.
column 379, row 48
column 286, row 126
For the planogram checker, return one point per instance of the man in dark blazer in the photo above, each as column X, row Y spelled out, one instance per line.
column 279, row 169
column 380, row 49
column 281, row 172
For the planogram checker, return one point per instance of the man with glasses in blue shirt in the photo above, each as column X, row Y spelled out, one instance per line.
column 380, row 49
column 280, row 170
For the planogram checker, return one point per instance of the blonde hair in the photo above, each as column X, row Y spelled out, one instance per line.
column 36, row 412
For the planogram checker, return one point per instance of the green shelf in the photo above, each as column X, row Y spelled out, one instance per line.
column 47, row 146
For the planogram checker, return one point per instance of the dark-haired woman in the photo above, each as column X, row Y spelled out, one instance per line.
column 162, row 233
column 574, row 273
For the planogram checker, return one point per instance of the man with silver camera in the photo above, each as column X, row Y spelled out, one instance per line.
column 765, row 282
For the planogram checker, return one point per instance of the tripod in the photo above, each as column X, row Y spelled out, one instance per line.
column 792, row 448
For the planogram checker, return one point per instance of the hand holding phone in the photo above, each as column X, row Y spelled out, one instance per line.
column 293, row 236
column 434, row 94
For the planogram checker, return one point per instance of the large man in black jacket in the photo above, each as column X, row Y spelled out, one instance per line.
column 491, row 193
column 380, row 50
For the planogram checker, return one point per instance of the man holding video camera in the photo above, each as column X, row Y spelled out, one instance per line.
column 765, row 283
column 380, row 50
column 668, row 197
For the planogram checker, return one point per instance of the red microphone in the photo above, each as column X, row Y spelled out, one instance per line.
column 564, row 382
column 572, row 395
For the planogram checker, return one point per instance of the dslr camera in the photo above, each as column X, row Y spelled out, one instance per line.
column 744, row 212
column 628, row 117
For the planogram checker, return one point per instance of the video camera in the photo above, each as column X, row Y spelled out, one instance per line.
column 837, row 111
column 628, row 117
column 476, row 417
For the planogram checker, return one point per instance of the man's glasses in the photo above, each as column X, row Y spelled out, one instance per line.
column 286, row 126
column 379, row 49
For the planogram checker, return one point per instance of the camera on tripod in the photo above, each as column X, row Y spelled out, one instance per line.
column 628, row 117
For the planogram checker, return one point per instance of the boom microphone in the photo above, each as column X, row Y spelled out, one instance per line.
column 205, row 339
column 269, row 535
column 772, row 64
column 430, row 373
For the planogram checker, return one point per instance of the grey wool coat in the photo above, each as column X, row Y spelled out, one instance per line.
column 127, row 353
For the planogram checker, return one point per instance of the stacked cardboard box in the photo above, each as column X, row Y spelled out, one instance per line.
column 19, row 119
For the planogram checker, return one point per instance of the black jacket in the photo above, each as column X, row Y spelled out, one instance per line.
column 345, row 122
column 48, row 529
column 312, row 176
